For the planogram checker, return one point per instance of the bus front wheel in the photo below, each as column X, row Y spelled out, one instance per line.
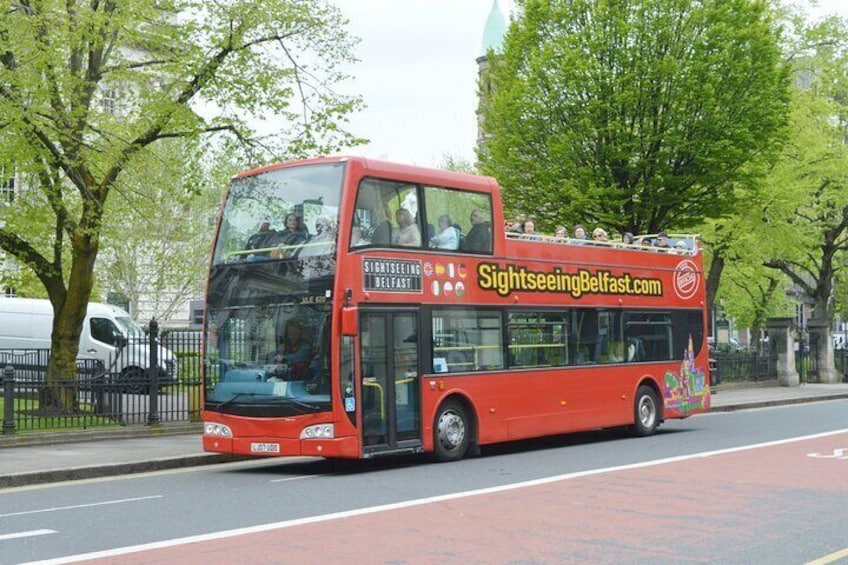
column 647, row 412
column 451, row 431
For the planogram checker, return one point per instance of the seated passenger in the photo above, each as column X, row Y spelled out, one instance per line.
column 600, row 234
column 662, row 241
column 289, row 238
column 529, row 230
column 580, row 233
column 382, row 234
column 516, row 225
column 408, row 234
column 479, row 238
column 264, row 238
column 561, row 233
column 447, row 237
column 292, row 234
column 627, row 238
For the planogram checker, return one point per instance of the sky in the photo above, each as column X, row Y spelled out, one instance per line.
column 418, row 75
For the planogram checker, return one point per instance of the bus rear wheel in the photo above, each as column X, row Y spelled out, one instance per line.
column 647, row 412
column 451, row 432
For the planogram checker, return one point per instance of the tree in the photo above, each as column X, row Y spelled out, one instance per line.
column 156, row 242
column 87, row 89
column 797, row 224
column 640, row 116
column 806, row 220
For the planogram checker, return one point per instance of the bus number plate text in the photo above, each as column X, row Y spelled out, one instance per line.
column 264, row 447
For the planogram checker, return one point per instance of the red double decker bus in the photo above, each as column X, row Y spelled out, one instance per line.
column 358, row 308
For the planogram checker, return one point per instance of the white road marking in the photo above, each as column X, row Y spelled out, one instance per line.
column 76, row 506
column 214, row 536
column 28, row 534
column 832, row 558
column 294, row 478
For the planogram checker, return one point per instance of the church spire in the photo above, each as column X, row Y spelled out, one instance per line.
column 494, row 31
column 493, row 36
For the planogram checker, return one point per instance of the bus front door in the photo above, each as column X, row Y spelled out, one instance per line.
column 391, row 404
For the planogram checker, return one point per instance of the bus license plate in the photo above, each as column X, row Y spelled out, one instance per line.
column 265, row 447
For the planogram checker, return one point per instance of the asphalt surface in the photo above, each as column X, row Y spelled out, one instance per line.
column 27, row 459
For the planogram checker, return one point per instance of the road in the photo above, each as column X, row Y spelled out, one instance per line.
column 764, row 486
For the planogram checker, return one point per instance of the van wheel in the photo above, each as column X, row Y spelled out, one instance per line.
column 134, row 380
column 646, row 412
column 451, row 432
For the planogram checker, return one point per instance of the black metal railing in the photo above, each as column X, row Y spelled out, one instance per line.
column 147, row 379
column 739, row 366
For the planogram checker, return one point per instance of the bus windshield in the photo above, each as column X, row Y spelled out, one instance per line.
column 285, row 213
column 268, row 360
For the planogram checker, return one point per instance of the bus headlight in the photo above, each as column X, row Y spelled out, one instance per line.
column 216, row 429
column 318, row 431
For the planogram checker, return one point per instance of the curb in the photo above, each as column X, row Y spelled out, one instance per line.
column 99, row 471
column 27, row 439
column 777, row 402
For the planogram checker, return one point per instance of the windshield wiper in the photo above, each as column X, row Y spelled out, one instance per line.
column 288, row 400
column 238, row 395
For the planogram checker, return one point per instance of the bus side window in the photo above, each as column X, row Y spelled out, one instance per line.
column 466, row 220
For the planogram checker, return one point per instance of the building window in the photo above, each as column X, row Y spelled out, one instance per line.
column 110, row 100
column 7, row 186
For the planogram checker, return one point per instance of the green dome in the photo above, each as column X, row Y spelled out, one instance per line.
column 495, row 30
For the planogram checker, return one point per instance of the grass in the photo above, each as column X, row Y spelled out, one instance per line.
column 26, row 417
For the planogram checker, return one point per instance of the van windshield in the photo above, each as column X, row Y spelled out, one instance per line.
column 129, row 327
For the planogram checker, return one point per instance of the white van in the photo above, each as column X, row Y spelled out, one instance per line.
column 108, row 335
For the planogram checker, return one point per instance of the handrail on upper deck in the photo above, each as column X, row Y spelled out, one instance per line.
column 691, row 240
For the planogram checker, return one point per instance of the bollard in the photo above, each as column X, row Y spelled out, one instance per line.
column 153, row 343
column 9, row 400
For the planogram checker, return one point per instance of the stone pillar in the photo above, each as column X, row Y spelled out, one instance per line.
column 820, row 334
column 781, row 332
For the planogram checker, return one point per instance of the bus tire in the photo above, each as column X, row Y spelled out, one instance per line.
column 451, row 431
column 646, row 412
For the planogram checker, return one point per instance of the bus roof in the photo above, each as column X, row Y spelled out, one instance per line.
column 386, row 169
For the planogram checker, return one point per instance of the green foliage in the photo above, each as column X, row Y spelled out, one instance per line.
column 796, row 224
column 88, row 90
column 159, row 225
column 639, row 116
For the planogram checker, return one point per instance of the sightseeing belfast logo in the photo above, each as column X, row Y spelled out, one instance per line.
column 512, row 278
column 687, row 279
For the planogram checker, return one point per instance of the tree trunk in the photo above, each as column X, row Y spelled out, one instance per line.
column 69, row 309
column 714, row 277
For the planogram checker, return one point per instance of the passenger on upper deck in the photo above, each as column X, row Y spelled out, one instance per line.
column 408, row 234
column 580, row 232
column 448, row 236
column 293, row 232
column 662, row 241
column 479, row 238
column 529, row 229
column 600, row 234
column 264, row 238
column 517, row 225
column 627, row 238
column 382, row 234
column 561, row 232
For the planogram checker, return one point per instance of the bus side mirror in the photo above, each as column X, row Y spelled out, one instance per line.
column 350, row 321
